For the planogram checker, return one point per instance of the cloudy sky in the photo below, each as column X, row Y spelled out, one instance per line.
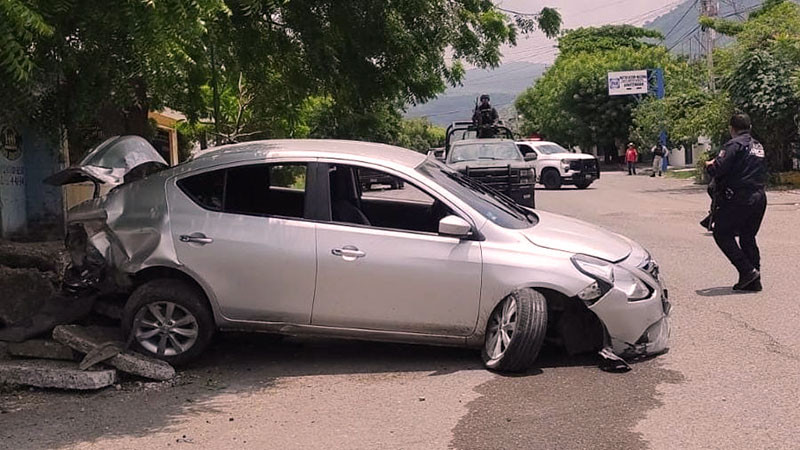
column 579, row 13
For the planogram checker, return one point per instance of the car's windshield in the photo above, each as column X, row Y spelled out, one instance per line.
column 549, row 149
column 485, row 150
column 493, row 205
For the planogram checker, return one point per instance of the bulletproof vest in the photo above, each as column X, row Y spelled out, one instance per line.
column 749, row 171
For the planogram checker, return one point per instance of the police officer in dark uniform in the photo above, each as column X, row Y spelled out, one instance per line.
column 485, row 117
column 740, row 174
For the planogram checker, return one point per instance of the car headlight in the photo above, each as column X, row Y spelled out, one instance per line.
column 633, row 286
column 601, row 271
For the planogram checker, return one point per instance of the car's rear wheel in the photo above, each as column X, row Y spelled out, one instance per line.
column 551, row 179
column 515, row 332
column 169, row 320
column 582, row 184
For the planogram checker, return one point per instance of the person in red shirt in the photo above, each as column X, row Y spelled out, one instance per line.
column 630, row 157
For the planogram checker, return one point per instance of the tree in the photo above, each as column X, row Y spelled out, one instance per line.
column 605, row 38
column 252, row 68
column 570, row 103
column 685, row 116
column 419, row 134
column 761, row 70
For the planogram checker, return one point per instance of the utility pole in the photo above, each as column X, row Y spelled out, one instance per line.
column 709, row 8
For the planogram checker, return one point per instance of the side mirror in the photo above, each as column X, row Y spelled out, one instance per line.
column 455, row 226
column 530, row 156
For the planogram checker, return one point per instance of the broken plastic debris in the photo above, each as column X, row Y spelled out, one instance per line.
column 612, row 362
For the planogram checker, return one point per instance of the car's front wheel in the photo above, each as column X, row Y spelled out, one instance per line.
column 582, row 184
column 515, row 331
column 551, row 179
column 169, row 320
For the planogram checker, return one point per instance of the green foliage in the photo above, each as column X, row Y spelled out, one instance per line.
column 419, row 134
column 722, row 26
column 570, row 103
column 608, row 37
column 761, row 72
column 241, row 69
column 20, row 26
column 685, row 116
column 548, row 21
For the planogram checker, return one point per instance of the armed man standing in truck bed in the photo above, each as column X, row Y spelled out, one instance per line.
column 740, row 175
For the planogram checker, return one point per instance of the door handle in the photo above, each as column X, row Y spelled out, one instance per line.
column 348, row 253
column 197, row 238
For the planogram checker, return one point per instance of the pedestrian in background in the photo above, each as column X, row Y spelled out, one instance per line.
column 740, row 174
column 658, row 154
column 631, row 156
column 665, row 159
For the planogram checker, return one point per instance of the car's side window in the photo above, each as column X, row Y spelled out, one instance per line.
column 525, row 149
column 379, row 199
column 205, row 189
column 260, row 190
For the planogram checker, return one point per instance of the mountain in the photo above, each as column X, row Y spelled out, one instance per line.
column 503, row 84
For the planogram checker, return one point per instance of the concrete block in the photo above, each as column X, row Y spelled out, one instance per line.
column 85, row 340
column 54, row 374
column 42, row 349
column 22, row 293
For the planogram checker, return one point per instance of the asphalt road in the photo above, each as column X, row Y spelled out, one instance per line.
column 731, row 379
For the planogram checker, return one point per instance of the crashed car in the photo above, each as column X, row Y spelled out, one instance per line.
column 276, row 236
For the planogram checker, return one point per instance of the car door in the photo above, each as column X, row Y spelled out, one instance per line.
column 242, row 232
column 382, row 266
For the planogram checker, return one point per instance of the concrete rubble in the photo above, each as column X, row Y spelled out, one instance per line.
column 35, row 305
column 23, row 292
column 43, row 349
column 85, row 340
column 54, row 374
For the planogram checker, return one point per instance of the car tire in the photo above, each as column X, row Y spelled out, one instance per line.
column 170, row 320
column 582, row 184
column 551, row 179
column 524, row 314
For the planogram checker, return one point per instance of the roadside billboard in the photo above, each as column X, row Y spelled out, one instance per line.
column 627, row 83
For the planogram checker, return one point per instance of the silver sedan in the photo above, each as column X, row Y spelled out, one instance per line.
column 279, row 237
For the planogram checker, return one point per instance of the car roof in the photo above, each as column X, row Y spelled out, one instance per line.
column 536, row 142
column 304, row 148
column 480, row 141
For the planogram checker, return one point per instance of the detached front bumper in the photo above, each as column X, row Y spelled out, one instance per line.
column 636, row 328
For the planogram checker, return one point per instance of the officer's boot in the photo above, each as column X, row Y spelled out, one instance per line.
column 747, row 279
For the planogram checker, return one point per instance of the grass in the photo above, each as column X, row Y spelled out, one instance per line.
column 785, row 180
column 682, row 175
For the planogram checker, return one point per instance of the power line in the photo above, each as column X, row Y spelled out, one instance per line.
column 511, row 11
column 649, row 14
column 682, row 38
column 688, row 10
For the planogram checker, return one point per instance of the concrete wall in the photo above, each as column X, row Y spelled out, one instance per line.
column 44, row 202
column 13, row 218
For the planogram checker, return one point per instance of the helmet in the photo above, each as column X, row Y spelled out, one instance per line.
column 484, row 96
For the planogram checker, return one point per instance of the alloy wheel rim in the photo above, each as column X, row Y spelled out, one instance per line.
column 165, row 328
column 501, row 329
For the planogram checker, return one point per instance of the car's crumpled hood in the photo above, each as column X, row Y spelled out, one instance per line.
column 571, row 235
column 111, row 161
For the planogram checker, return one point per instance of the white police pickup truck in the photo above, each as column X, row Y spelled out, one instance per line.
column 556, row 166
